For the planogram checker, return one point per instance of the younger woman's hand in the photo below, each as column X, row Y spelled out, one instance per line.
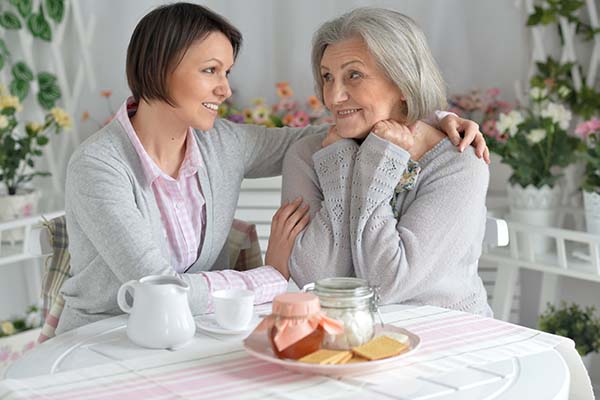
column 288, row 222
column 452, row 126
column 399, row 134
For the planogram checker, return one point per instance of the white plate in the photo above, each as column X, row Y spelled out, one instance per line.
column 258, row 345
column 209, row 323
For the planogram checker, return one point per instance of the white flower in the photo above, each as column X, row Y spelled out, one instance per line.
column 536, row 136
column 537, row 93
column 509, row 122
column 33, row 320
column 558, row 113
column 564, row 91
column 3, row 121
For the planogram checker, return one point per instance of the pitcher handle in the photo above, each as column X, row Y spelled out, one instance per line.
column 121, row 300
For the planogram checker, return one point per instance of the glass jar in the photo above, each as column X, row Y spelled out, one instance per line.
column 354, row 303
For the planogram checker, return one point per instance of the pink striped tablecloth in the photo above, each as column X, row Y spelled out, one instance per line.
column 450, row 340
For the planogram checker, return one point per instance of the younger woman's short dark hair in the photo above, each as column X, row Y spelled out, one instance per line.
column 159, row 43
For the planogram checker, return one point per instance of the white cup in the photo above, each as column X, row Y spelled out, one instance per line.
column 233, row 308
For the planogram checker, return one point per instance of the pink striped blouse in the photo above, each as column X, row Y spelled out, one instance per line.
column 183, row 212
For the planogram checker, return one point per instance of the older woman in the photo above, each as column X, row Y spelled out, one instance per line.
column 155, row 191
column 392, row 201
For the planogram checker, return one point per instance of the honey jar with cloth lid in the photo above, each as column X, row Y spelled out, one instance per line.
column 297, row 325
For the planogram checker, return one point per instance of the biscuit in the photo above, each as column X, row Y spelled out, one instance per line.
column 380, row 347
column 325, row 356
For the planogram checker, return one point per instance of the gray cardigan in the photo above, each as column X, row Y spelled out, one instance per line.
column 429, row 255
column 114, row 225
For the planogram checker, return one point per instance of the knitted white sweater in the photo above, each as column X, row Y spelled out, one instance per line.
column 429, row 255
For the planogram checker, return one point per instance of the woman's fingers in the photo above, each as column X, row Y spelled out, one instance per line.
column 286, row 211
column 471, row 132
column 294, row 219
column 299, row 227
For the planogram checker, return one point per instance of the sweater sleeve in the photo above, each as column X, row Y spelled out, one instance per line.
column 101, row 201
column 323, row 179
column 432, row 240
column 262, row 149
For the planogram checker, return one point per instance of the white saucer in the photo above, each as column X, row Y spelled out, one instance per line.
column 209, row 323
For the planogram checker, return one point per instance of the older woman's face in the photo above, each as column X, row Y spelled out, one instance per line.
column 199, row 83
column 356, row 90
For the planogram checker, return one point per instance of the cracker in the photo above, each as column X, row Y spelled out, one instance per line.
column 380, row 347
column 355, row 359
column 325, row 356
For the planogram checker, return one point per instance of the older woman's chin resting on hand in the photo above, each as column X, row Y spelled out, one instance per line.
column 391, row 199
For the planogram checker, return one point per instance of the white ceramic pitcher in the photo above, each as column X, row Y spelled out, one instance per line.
column 160, row 317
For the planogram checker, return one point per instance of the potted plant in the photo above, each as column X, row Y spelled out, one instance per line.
column 579, row 324
column 589, row 132
column 21, row 144
column 534, row 142
column 19, row 148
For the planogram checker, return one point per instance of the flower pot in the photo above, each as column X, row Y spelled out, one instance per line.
column 534, row 206
column 13, row 347
column 21, row 205
column 591, row 205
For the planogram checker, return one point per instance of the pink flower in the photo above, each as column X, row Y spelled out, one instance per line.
column 489, row 128
column 4, row 354
column 300, row 119
column 586, row 128
column 493, row 92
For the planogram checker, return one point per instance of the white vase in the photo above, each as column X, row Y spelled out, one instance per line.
column 591, row 205
column 534, row 206
column 21, row 205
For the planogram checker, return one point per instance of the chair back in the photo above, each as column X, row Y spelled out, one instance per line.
column 496, row 233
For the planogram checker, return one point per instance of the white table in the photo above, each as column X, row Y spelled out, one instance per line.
column 531, row 372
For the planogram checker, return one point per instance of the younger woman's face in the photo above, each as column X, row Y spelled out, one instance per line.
column 199, row 84
column 356, row 90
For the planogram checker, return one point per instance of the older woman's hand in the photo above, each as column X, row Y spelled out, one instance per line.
column 453, row 125
column 288, row 222
column 332, row 137
column 399, row 134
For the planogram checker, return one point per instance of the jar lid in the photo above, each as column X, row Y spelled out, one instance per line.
column 343, row 289
column 296, row 305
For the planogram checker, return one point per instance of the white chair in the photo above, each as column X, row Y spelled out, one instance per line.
column 496, row 233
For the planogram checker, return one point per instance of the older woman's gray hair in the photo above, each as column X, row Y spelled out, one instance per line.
column 400, row 48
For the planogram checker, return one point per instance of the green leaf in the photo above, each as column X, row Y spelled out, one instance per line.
column 46, row 101
column 24, row 6
column 9, row 20
column 46, row 79
column 51, row 92
column 42, row 140
column 1, row 61
column 39, row 27
column 3, row 48
column 22, row 72
column 55, row 9
column 19, row 88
